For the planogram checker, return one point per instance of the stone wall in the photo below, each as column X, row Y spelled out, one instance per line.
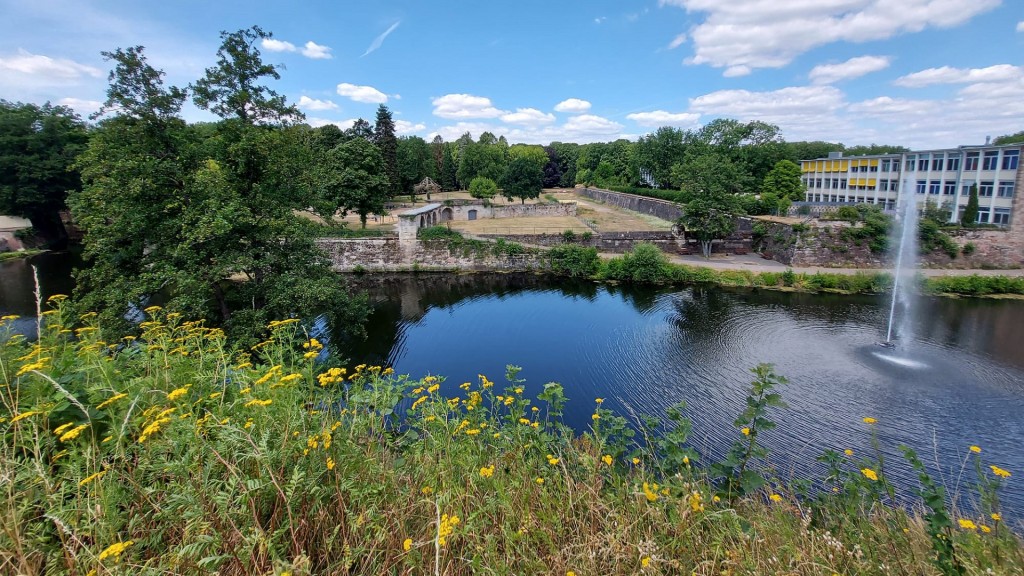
column 651, row 206
column 533, row 210
column 611, row 242
column 394, row 255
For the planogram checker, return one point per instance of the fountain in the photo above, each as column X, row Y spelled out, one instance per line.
column 900, row 327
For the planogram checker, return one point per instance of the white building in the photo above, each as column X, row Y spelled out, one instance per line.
column 944, row 177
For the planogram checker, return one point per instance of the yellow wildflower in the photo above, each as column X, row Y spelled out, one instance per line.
column 552, row 460
column 258, row 402
column 996, row 516
column 330, row 463
column 607, row 459
column 178, row 392
column 111, row 400
column 115, row 550
column 310, row 355
column 487, row 471
column 154, row 427
column 869, row 420
column 976, row 449
column 869, row 474
column 539, row 481
column 636, row 461
column 59, row 429
column 599, row 400
column 407, row 544
column 848, row 452
column 746, row 431
column 433, row 388
column 25, row 415
column 448, row 524
column 1000, row 472
column 472, row 432
column 427, row 490
column 695, row 502
column 92, row 477
column 214, row 396
column 73, row 433
column 985, row 529
column 595, row 416
column 776, row 498
column 290, row 377
column 650, row 491
column 967, row 524
column 645, row 562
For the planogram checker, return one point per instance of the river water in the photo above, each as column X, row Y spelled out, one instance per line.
column 645, row 349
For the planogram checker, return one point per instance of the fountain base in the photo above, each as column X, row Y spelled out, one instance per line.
column 886, row 344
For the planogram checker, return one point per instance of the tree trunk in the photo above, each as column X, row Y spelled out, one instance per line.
column 218, row 294
column 49, row 227
column 705, row 248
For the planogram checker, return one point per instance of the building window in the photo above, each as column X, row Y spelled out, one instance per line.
column 953, row 163
column 934, row 186
column 885, row 165
column 983, row 216
column 873, row 168
column 1010, row 159
column 835, row 182
column 949, row 189
column 990, row 161
column 1006, row 188
column 894, row 185
column 817, row 182
column 985, row 189
column 922, row 163
column 922, row 186
column 910, row 162
column 972, row 161
column 883, row 185
column 1001, row 216
column 937, row 162
column 895, row 165
column 828, row 183
column 842, row 184
column 965, row 190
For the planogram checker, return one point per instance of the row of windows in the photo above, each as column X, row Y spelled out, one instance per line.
column 851, row 199
column 951, row 162
column 1004, row 188
column 999, row 216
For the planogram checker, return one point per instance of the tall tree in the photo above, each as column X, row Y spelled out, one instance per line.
column 784, row 181
column 360, row 129
column 415, row 162
column 386, row 141
column 357, row 181
column 710, row 217
column 437, row 149
column 449, row 169
column 38, row 145
column 552, row 168
column 523, row 179
column 970, row 217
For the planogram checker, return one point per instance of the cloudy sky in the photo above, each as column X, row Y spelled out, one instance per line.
column 921, row 73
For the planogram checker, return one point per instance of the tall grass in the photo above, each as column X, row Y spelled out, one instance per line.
column 173, row 453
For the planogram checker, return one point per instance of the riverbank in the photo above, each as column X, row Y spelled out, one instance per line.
column 176, row 455
column 5, row 256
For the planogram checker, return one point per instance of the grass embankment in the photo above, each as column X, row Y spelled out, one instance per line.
column 19, row 254
column 170, row 453
column 647, row 265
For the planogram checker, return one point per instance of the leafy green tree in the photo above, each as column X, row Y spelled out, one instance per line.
column 437, row 150
column 970, row 217
column 360, row 129
column 475, row 160
column 415, row 162
column 658, row 152
column 384, row 138
column 38, row 145
column 875, row 149
column 710, row 217
column 708, row 173
column 784, row 181
column 482, row 188
column 535, row 154
column 523, row 179
column 1009, row 138
column 358, row 182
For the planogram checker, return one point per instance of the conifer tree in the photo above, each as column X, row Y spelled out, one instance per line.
column 970, row 217
column 386, row 141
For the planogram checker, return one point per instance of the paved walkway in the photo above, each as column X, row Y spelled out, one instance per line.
column 755, row 263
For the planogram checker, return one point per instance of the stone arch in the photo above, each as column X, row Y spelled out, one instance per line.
column 422, row 221
column 446, row 215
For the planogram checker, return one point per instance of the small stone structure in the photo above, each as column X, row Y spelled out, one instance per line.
column 411, row 221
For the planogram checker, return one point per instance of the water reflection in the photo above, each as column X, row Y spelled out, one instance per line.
column 647, row 349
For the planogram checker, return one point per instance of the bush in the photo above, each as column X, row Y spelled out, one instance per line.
column 968, row 249
column 848, row 213
column 569, row 236
column 646, row 264
column 573, row 261
column 482, row 188
column 438, row 233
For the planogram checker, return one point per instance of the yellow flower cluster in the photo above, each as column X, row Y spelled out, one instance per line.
column 1000, row 472
column 24, row 415
column 280, row 323
column 155, row 424
column 115, row 550
column 487, row 471
column 258, row 402
column 607, row 459
column 775, row 498
column 445, row 529
column 695, row 500
column 92, row 477
column 73, row 433
column 869, row 474
column 332, row 376
column 552, row 460
column 266, row 377
column 178, row 392
column 111, row 400
column 651, row 491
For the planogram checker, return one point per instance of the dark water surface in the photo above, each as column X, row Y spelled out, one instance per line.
column 960, row 381
column 647, row 349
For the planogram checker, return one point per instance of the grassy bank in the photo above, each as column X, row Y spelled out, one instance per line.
column 647, row 265
column 19, row 254
column 172, row 453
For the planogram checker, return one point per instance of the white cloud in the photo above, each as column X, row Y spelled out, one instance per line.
column 677, row 42
column 949, row 75
column 736, row 71
column 771, row 33
column 1020, row 26
column 318, row 122
column 307, row 103
column 406, row 127
column 365, row 94
column 600, row 19
column 379, row 40
column 528, row 117
column 316, row 51
column 802, row 112
column 464, row 106
column 591, row 125
column 852, row 68
column 52, row 70
column 580, row 129
column 659, row 118
column 277, row 45
column 572, row 106
column 896, row 107
column 82, row 107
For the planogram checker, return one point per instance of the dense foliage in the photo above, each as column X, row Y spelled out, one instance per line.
column 173, row 453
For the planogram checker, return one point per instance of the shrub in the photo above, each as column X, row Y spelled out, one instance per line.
column 573, row 261
column 569, row 236
column 482, row 188
column 968, row 249
column 438, row 233
column 645, row 264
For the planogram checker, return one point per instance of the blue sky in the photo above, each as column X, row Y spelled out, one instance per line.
column 921, row 73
